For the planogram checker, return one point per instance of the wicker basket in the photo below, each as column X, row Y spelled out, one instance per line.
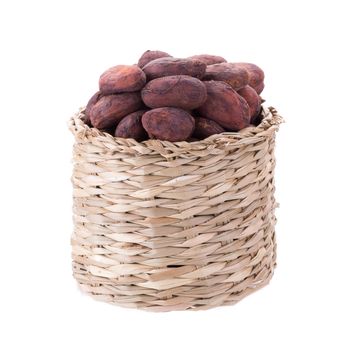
column 171, row 226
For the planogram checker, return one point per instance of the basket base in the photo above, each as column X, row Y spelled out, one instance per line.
column 229, row 297
column 202, row 294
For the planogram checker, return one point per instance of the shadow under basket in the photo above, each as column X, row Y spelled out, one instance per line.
column 168, row 226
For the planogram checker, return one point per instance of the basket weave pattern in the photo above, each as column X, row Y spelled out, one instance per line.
column 171, row 226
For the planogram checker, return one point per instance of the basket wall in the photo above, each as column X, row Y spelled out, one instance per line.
column 171, row 226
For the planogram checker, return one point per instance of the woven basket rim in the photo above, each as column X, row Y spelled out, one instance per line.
column 269, row 124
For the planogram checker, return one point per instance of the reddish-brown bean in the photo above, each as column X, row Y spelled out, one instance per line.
column 252, row 98
column 168, row 123
column 225, row 106
column 209, row 59
column 256, row 75
column 151, row 55
column 206, row 127
column 259, row 88
column 180, row 91
column 166, row 66
column 131, row 127
column 122, row 78
column 110, row 109
column 94, row 98
column 236, row 77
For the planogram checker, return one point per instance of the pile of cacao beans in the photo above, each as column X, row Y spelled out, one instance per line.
column 176, row 99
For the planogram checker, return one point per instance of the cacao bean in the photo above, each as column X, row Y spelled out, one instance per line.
column 209, row 59
column 180, row 91
column 151, row 55
column 94, row 98
column 259, row 88
column 131, row 127
column 255, row 75
column 252, row 98
column 168, row 123
column 166, row 66
column 110, row 109
column 225, row 106
column 122, row 78
column 206, row 127
column 236, row 77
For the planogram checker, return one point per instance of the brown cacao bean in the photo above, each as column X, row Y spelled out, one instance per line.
column 236, row 77
column 168, row 123
column 122, row 78
column 255, row 75
column 110, row 109
column 225, row 106
column 209, row 59
column 259, row 88
column 94, row 98
column 206, row 127
column 180, row 91
column 131, row 127
column 166, row 66
column 151, row 55
column 252, row 98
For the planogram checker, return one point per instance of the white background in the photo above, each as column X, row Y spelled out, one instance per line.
column 52, row 53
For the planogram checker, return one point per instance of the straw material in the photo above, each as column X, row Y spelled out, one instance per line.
column 171, row 226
